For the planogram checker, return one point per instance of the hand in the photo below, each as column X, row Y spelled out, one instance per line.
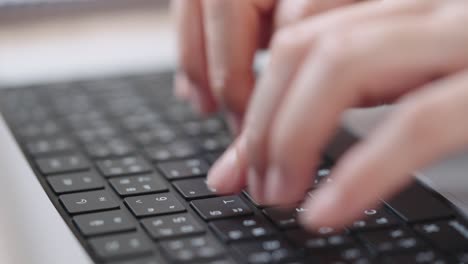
column 217, row 43
column 414, row 52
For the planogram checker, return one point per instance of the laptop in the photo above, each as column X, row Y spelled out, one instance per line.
column 113, row 170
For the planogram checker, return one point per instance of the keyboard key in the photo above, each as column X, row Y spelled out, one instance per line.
column 177, row 150
column 75, row 182
column 213, row 157
column 418, row 257
column 324, row 239
column 347, row 254
column 109, row 148
column 88, row 201
column 416, row 204
column 221, row 207
column 203, row 127
column 49, row 146
column 103, row 223
column 62, row 164
column 123, row 166
column 172, row 226
column 215, row 143
column 184, row 168
column 265, row 251
column 374, row 218
column 243, row 228
column 117, row 246
column 449, row 236
column 138, row 184
column 155, row 204
column 144, row 260
column 194, row 188
column 192, row 249
column 391, row 241
column 284, row 217
column 158, row 135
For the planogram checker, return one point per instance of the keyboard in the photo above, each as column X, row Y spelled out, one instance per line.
column 125, row 164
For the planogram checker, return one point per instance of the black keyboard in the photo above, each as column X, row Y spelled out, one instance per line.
column 125, row 164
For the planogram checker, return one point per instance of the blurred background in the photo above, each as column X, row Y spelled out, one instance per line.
column 53, row 40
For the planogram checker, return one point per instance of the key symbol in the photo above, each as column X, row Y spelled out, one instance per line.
column 82, row 201
column 67, row 182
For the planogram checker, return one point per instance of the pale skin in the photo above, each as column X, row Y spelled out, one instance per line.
column 411, row 52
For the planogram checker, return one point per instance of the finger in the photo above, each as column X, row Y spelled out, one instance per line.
column 232, row 31
column 192, row 76
column 289, row 49
column 426, row 126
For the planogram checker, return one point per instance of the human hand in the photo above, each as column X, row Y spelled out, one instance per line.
column 414, row 52
column 217, row 42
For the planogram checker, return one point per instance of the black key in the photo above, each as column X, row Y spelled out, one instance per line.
column 103, row 223
column 88, row 201
column 62, row 164
column 391, row 241
column 39, row 129
column 184, row 168
column 155, row 204
column 49, row 146
column 265, row 251
column 190, row 250
column 109, row 148
column 422, row 256
column 242, row 228
column 252, row 200
column 143, row 260
column 324, row 239
column 172, row 226
column 116, row 246
column 449, row 236
column 75, row 182
column 351, row 254
column 375, row 218
column 215, row 143
column 203, row 127
column 177, row 150
column 194, row 188
column 462, row 257
column 221, row 207
column 416, row 204
column 158, row 135
column 284, row 217
column 138, row 184
column 123, row 166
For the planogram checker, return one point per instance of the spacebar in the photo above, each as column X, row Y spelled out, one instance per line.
column 416, row 204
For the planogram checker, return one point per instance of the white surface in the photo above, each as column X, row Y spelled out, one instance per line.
column 32, row 231
column 86, row 46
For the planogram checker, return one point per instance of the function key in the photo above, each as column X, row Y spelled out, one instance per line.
column 62, row 164
column 391, row 241
column 194, row 188
column 416, row 204
column 184, row 168
column 156, row 204
column 103, row 223
column 324, row 239
column 185, row 250
column 243, row 228
column 138, row 184
column 88, row 201
column 284, row 217
column 172, row 226
column 75, row 182
column 123, row 166
column 117, row 246
column 375, row 218
column 449, row 236
column 49, row 146
column 221, row 207
column 266, row 251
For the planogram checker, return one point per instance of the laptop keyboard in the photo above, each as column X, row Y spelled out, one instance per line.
column 125, row 164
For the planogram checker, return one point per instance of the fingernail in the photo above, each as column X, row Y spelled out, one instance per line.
column 276, row 185
column 255, row 185
column 225, row 168
column 321, row 206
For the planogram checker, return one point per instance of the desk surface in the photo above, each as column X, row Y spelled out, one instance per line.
column 81, row 46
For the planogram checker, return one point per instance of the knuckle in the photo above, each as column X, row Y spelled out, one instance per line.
column 417, row 120
column 284, row 42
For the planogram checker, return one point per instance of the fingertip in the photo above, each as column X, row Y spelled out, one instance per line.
column 323, row 209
